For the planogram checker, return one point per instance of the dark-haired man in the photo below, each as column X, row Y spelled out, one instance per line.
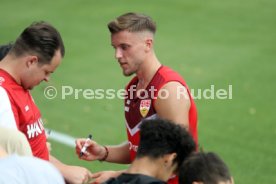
column 163, row 147
column 204, row 168
column 33, row 57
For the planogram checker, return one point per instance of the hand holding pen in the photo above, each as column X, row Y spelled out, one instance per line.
column 88, row 149
column 83, row 149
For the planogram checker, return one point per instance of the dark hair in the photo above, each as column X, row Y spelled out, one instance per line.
column 4, row 49
column 159, row 137
column 39, row 38
column 132, row 22
column 203, row 167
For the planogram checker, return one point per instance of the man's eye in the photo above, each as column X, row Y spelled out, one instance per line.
column 124, row 47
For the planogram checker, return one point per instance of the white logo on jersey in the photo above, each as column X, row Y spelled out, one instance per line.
column 27, row 108
column 132, row 146
column 126, row 107
column 35, row 129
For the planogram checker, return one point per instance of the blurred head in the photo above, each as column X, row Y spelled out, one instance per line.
column 132, row 38
column 41, row 47
column 3, row 153
column 4, row 49
column 204, row 168
column 166, row 140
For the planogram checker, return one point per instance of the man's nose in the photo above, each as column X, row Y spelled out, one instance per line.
column 118, row 53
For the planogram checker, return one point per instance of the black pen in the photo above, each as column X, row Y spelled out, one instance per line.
column 83, row 149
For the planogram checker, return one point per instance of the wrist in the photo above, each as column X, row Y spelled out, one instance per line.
column 106, row 153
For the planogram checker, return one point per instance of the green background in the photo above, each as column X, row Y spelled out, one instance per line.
column 213, row 42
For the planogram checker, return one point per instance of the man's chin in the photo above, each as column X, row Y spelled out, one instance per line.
column 29, row 88
column 127, row 74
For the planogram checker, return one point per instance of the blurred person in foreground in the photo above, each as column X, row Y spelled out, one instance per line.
column 163, row 147
column 204, row 168
column 14, row 142
column 16, row 169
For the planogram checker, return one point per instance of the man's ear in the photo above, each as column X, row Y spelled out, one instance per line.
column 168, row 163
column 31, row 60
column 169, row 158
column 149, row 44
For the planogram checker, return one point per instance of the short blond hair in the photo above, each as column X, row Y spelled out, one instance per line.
column 132, row 22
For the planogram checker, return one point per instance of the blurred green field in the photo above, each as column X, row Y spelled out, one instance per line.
column 213, row 42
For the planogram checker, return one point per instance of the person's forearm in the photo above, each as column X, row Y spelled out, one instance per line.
column 71, row 174
column 118, row 154
column 59, row 165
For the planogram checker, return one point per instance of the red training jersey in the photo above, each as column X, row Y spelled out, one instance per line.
column 18, row 110
column 142, row 107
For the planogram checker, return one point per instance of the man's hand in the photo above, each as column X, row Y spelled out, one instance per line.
column 103, row 176
column 71, row 174
column 76, row 174
column 94, row 151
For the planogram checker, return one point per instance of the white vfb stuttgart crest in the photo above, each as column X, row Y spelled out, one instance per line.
column 144, row 107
